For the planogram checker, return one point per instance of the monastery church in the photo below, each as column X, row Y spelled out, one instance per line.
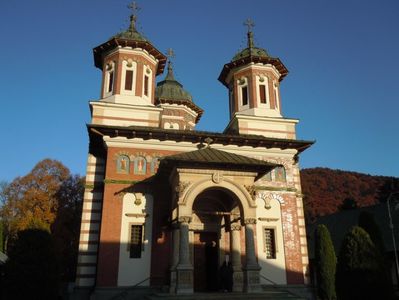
column 168, row 206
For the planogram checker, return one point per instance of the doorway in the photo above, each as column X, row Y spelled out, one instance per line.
column 206, row 261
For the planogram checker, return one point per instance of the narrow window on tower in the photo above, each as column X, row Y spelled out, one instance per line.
column 244, row 95
column 136, row 241
column 110, row 81
column 262, row 93
column 129, row 80
column 276, row 95
column 146, row 85
column 269, row 242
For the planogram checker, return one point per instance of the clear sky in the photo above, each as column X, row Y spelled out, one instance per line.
column 342, row 57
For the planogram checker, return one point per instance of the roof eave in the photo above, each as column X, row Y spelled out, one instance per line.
column 249, row 59
column 197, row 137
column 99, row 51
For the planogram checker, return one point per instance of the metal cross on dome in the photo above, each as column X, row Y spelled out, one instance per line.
column 134, row 7
column 249, row 23
column 170, row 53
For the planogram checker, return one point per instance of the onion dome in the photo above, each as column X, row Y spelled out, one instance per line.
column 171, row 89
column 129, row 38
column 251, row 54
column 131, row 33
column 251, row 50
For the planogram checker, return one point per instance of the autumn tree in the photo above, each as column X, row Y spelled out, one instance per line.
column 325, row 264
column 47, row 198
column 31, row 200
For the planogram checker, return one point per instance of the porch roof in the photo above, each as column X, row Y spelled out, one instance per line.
column 212, row 158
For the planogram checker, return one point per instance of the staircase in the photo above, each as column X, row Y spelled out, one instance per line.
column 268, row 293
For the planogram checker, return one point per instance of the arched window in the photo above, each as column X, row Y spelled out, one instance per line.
column 140, row 165
column 109, row 79
column 263, row 91
column 279, row 174
column 147, row 85
column 122, row 164
column 129, row 71
column 243, row 92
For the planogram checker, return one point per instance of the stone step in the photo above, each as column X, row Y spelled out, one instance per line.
column 272, row 294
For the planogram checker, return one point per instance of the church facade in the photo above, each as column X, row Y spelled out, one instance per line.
column 166, row 205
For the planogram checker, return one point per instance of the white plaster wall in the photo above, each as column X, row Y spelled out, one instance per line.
column 134, row 270
column 273, row 269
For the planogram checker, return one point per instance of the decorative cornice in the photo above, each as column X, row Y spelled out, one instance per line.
column 268, row 219
column 97, row 133
column 137, row 215
column 275, row 188
column 118, row 181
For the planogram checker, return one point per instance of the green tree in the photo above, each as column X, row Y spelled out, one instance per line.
column 367, row 222
column 360, row 272
column 325, row 264
column 31, row 269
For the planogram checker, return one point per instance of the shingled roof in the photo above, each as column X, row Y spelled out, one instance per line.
column 213, row 158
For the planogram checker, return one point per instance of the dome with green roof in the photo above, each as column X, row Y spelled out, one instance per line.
column 251, row 50
column 131, row 33
column 171, row 89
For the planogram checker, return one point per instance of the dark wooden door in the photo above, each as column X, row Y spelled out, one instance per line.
column 206, row 249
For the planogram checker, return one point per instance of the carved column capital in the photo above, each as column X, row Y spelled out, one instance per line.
column 249, row 221
column 235, row 227
column 184, row 219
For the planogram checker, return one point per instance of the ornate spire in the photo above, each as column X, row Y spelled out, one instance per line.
column 249, row 23
column 170, row 54
column 133, row 17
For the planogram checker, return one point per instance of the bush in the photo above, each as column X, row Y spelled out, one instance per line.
column 31, row 270
column 325, row 264
column 360, row 269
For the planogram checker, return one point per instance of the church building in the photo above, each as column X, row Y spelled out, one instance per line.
column 168, row 206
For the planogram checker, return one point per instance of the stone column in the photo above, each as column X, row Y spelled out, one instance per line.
column 184, row 269
column 252, row 280
column 175, row 257
column 235, row 249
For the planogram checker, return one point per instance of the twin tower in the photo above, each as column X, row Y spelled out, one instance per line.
column 131, row 97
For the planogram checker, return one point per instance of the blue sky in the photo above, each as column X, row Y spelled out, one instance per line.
column 342, row 57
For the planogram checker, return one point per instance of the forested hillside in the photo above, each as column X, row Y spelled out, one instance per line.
column 327, row 191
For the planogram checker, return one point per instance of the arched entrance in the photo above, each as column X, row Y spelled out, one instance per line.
column 214, row 211
column 214, row 219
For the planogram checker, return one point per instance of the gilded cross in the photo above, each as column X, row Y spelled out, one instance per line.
column 249, row 23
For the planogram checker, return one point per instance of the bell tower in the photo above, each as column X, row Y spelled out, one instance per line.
column 129, row 65
column 253, row 80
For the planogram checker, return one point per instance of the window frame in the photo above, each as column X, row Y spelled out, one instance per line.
column 273, row 241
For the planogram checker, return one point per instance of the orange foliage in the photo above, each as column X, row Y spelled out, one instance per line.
column 31, row 199
column 325, row 190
